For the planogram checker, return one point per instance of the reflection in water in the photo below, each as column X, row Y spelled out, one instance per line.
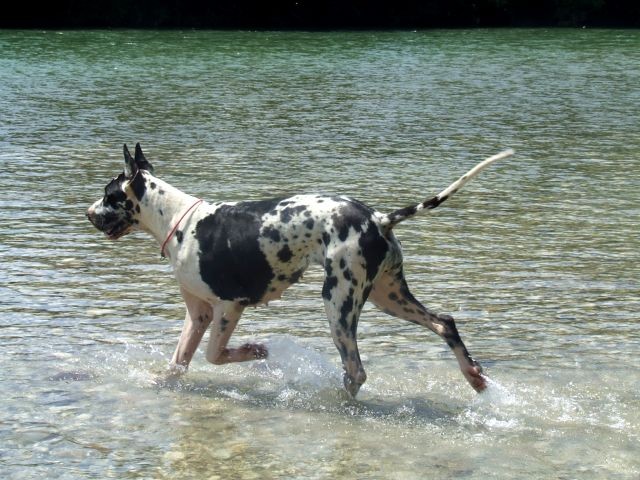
column 537, row 260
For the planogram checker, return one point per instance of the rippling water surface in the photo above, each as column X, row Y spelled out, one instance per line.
column 537, row 259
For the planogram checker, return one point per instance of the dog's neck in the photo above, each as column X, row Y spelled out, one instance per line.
column 161, row 207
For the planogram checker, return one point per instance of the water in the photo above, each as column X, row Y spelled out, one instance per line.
column 537, row 259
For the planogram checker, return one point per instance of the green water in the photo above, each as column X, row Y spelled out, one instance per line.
column 537, row 259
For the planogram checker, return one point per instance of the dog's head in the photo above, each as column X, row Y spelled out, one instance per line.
column 116, row 213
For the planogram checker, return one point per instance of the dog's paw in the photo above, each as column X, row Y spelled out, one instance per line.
column 474, row 376
column 169, row 377
column 255, row 350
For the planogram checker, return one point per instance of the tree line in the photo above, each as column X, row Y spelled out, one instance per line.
column 317, row 14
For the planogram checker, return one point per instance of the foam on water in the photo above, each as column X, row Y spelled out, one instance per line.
column 298, row 366
column 492, row 409
column 297, row 376
column 495, row 394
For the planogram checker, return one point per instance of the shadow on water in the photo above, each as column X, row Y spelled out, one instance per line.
column 294, row 378
column 334, row 401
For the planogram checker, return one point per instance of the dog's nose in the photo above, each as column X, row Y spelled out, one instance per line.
column 91, row 216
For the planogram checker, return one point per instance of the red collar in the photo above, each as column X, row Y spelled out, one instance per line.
column 175, row 227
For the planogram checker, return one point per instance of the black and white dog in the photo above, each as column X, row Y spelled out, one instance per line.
column 230, row 255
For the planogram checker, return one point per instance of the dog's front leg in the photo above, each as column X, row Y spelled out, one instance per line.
column 197, row 319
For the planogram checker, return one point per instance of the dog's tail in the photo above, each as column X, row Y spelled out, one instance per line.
column 392, row 219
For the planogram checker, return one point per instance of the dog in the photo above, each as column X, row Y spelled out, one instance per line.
column 230, row 255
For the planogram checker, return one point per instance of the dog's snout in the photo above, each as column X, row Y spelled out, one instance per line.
column 93, row 218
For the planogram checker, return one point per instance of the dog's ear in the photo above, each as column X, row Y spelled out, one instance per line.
column 142, row 162
column 130, row 166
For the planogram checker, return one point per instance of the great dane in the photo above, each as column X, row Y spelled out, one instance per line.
column 230, row 255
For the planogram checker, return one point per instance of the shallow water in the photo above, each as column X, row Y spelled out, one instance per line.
column 537, row 259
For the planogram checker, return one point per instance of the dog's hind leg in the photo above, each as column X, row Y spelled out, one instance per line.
column 225, row 318
column 343, row 301
column 391, row 294
column 197, row 319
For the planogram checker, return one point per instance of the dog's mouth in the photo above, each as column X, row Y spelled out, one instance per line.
column 116, row 232
column 113, row 230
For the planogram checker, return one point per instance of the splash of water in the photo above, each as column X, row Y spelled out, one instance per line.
column 492, row 409
column 298, row 366
column 495, row 394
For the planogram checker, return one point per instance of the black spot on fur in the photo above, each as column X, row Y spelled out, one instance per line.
column 223, row 324
column 342, row 348
column 352, row 214
column 288, row 213
column 179, row 236
column 113, row 193
column 451, row 334
column 231, row 262
column 153, row 185
column 403, row 213
column 309, row 222
column 329, row 283
column 285, row 254
column 328, row 268
column 139, row 186
column 272, row 233
column 366, row 292
column 345, row 310
column 296, row 276
column 406, row 212
column 374, row 250
column 436, row 202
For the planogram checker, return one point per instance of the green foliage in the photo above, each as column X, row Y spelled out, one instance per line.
column 322, row 14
